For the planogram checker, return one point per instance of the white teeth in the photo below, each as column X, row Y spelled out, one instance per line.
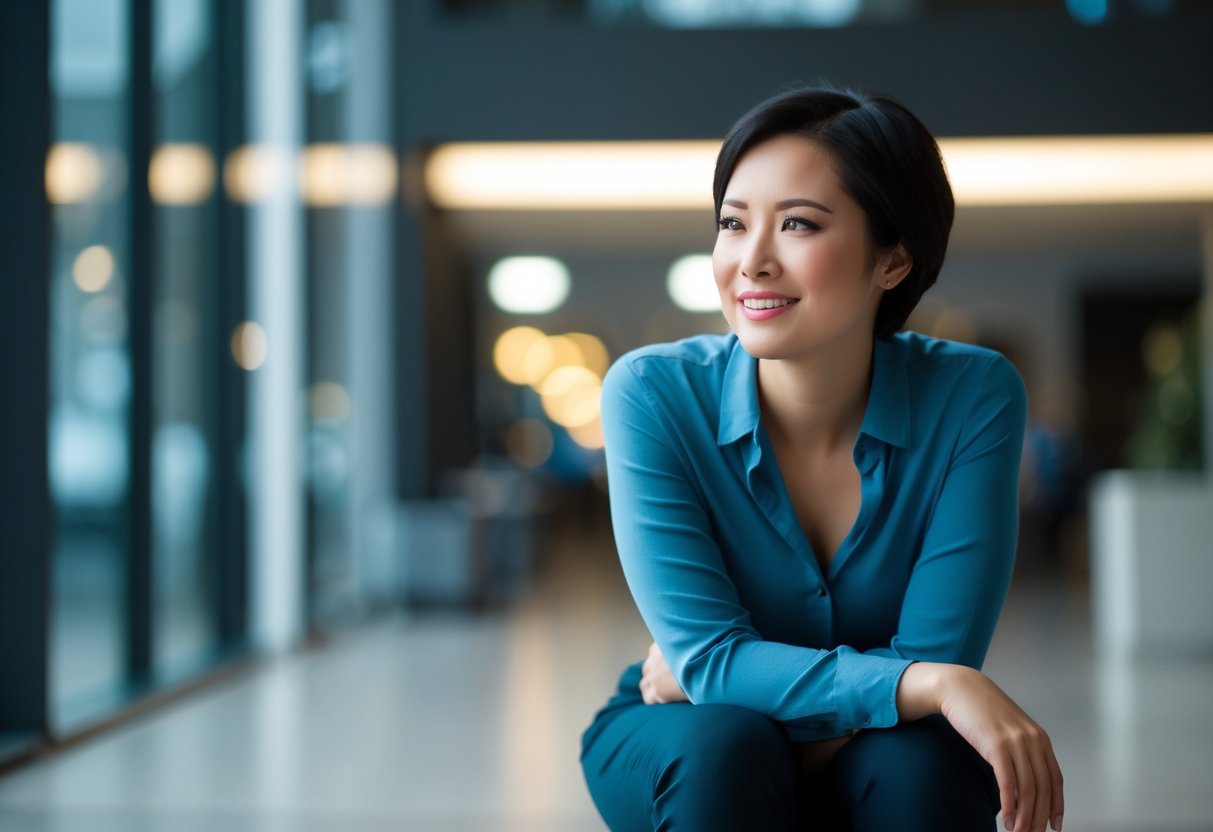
column 765, row 303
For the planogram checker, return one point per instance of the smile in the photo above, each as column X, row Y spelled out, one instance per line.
column 766, row 303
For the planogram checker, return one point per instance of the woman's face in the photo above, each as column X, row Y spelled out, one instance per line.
column 791, row 257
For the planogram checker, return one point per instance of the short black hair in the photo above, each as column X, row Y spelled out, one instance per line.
column 886, row 160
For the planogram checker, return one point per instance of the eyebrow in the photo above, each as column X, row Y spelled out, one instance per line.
column 782, row 205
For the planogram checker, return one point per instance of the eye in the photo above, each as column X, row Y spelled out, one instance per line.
column 799, row 224
column 729, row 224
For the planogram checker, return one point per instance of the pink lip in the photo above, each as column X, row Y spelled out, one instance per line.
column 763, row 314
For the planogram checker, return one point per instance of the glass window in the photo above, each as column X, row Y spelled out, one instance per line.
column 347, row 63
column 144, row 418
column 182, row 179
column 89, row 434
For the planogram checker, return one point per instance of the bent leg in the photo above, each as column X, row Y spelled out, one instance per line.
column 917, row 776
column 690, row 767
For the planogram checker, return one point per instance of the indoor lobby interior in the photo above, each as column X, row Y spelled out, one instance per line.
column 304, row 518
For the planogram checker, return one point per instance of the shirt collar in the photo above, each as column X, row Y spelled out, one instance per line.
column 739, row 413
column 886, row 419
column 888, row 415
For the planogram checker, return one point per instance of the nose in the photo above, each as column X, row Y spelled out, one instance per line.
column 758, row 260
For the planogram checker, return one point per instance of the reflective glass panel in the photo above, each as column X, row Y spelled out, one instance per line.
column 89, row 434
column 182, row 178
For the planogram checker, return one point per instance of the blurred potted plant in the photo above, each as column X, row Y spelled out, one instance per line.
column 1168, row 431
column 1152, row 525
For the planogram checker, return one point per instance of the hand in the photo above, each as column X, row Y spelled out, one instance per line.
column 657, row 683
column 1029, row 778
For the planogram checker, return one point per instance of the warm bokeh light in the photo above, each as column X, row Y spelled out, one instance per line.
column 181, row 174
column 573, row 175
column 537, row 361
column 253, row 173
column 528, row 285
column 654, row 176
column 543, row 358
column 93, row 269
column 509, row 352
column 329, row 402
column 250, row 346
column 589, row 435
column 571, row 395
column 594, row 353
column 74, row 173
column 529, row 442
column 347, row 174
column 691, row 284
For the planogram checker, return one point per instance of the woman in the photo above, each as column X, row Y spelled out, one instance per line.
column 816, row 514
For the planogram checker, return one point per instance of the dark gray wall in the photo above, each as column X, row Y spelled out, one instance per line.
column 1021, row 74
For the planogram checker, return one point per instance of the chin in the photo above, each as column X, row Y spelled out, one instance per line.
column 764, row 346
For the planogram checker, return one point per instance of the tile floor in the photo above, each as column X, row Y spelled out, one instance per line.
column 450, row 722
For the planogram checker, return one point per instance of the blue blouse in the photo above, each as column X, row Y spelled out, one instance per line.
column 725, row 578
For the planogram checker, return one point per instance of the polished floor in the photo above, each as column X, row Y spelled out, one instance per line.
column 450, row 722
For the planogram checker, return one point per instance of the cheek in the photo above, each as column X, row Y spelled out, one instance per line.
column 721, row 270
column 827, row 266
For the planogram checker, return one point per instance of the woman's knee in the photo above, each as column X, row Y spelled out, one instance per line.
column 733, row 743
column 694, row 767
column 922, row 770
column 733, row 766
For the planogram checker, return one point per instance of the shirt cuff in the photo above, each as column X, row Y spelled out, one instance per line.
column 865, row 689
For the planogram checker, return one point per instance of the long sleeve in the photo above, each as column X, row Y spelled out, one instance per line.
column 669, row 548
column 960, row 578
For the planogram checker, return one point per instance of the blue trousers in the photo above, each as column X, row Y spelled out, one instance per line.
column 704, row 768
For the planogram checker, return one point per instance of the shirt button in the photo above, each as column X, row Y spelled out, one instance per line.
column 865, row 719
column 821, row 592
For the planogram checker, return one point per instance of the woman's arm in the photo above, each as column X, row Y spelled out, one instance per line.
column 962, row 570
column 1029, row 778
column 678, row 578
column 954, row 598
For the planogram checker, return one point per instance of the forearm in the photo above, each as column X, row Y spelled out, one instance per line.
column 1018, row 750
column 923, row 688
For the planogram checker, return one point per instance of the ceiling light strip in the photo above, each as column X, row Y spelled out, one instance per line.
column 659, row 176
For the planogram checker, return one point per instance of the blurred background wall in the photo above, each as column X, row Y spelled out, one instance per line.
column 273, row 364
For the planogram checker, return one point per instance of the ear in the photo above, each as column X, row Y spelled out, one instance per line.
column 892, row 267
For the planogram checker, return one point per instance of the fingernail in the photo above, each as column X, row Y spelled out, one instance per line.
column 1010, row 824
column 1057, row 824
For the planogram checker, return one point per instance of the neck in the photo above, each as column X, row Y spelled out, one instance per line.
column 816, row 403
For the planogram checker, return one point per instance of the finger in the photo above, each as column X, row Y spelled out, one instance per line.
column 1004, row 774
column 1058, row 808
column 1025, row 791
column 1044, row 788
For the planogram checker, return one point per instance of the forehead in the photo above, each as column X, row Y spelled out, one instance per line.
column 784, row 162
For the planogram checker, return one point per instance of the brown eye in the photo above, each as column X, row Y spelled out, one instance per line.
column 800, row 224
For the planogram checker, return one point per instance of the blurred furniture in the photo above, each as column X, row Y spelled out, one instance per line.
column 1152, row 563
column 474, row 547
